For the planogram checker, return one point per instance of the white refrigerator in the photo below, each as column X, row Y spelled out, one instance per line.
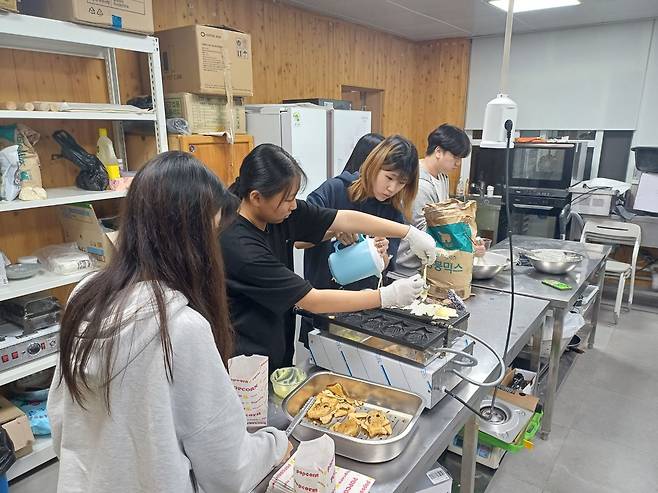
column 302, row 131
column 346, row 127
column 299, row 129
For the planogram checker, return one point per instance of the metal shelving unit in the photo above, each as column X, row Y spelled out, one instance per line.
column 23, row 32
column 76, row 115
column 41, row 282
column 61, row 196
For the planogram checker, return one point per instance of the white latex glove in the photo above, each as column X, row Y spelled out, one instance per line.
column 401, row 292
column 422, row 245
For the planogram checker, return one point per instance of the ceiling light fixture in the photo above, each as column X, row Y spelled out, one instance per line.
column 529, row 5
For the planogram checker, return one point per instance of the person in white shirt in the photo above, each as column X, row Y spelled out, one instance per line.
column 141, row 400
column 446, row 146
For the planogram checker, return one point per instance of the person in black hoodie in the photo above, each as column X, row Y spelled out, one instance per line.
column 385, row 187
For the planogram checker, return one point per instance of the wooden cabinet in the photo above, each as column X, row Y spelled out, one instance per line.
column 222, row 158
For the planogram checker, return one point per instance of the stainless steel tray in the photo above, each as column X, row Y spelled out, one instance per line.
column 402, row 408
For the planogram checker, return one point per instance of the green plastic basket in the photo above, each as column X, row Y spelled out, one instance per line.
column 523, row 441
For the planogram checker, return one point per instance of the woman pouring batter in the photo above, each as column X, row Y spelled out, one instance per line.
column 262, row 287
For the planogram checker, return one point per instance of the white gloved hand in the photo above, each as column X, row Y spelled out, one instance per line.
column 401, row 292
column 422, row 245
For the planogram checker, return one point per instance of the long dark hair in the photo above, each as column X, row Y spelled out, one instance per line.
column 394, row 153
column 269, row 170
column 363, row 147
column 167, row 236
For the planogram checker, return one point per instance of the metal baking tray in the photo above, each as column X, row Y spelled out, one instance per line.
column 385, row 325
column 401, row 407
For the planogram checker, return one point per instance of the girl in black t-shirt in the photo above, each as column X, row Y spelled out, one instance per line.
column 262, row 287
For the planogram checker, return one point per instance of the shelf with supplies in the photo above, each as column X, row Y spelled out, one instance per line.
column 61, row 196
column 41, row 282
column 42, row 452
column 76, row 115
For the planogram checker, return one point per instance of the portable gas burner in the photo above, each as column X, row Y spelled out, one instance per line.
column 505, row 421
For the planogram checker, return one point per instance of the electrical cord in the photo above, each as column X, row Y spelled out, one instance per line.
column 508, row 128
column 501, row 363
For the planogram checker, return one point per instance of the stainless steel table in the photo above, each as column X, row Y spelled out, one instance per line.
column 437, row 427
column 528, row 282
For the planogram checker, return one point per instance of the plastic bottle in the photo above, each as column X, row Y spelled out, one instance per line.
column 460, row 187
column 105, row 152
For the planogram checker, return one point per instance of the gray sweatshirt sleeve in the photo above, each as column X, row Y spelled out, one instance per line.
column 210, row 419
column 426, row 195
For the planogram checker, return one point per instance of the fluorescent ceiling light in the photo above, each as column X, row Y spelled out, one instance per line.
column 528, row 5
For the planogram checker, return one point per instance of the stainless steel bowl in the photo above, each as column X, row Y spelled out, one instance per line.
column 401, row 407
column 554, row 267
column 489, row 265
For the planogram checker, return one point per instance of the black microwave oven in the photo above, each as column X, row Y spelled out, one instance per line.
column 534, row 167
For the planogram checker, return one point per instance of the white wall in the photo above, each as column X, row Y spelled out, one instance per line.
column 589, row 78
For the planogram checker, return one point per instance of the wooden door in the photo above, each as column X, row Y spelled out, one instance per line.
column 221, row 157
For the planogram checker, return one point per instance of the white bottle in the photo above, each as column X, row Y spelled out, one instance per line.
column 105, row 153
column 460, row 187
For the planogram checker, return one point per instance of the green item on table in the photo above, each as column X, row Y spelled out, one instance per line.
column 562, row 286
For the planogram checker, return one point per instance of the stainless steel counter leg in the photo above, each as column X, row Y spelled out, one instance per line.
column 469, row 451
column 553, row 371
column 535, row 354
column 597, row 306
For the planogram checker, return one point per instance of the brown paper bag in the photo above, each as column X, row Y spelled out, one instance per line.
column 452, row 225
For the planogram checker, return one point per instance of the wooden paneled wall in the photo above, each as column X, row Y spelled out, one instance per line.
column 299, row 54
column 295, row 54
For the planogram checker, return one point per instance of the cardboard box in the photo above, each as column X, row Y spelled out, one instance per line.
column 522, row 399
column 122, row 15
column 206, row 114
column 203, row 59
column 17, row 426
column 9, row 5
column 82, row 226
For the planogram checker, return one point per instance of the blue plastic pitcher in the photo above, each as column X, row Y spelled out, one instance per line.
column 355, row 262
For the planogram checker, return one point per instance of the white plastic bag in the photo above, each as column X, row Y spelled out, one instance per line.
column 10, row 181
column 315, row 466
column 249, row 377
column 64, row 259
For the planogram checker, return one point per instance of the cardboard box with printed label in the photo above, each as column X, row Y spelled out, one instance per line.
column 204, row 59
column 9, row 5
column 205, row 114
column 17, row 426
column 82, row 226
column 122, row 15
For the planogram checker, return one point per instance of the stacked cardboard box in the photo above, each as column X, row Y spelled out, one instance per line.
column 203, row 67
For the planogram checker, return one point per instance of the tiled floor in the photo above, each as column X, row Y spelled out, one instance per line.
column 605, row 429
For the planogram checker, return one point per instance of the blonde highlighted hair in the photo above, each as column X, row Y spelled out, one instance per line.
column 395, row 153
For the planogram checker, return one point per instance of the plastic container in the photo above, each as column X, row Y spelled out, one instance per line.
column 646, row 158
column 105, row 153
column 285, row 380
column 355, row 262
